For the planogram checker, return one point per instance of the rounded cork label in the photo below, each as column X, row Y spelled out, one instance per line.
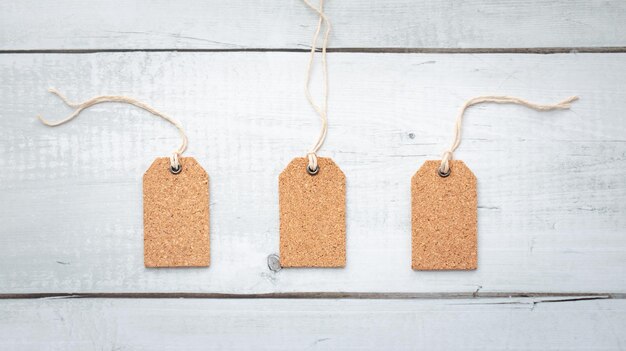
column 444, row 218
column 312, row 215
column 176, row 215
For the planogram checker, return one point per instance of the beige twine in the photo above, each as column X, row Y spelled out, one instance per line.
column 322, row 111
column 447, row 156
column 122, row 99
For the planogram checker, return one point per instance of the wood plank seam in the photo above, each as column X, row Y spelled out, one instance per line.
column 370, row 50
column 551, row 297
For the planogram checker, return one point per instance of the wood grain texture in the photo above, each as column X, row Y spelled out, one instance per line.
column 483, row 324
column 551, row 210
column 288, row 24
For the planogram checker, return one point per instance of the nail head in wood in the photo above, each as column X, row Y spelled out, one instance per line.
column 273, row 263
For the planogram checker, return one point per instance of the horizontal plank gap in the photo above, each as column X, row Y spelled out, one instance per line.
column 554, row 297
column 540, row 50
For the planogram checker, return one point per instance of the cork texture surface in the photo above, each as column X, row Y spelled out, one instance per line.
column 312, row 215
column 176, row 215
column 444, row 218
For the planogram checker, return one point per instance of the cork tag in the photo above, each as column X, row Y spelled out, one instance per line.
column 176, row 215
column 312, row 215
column 444, row 218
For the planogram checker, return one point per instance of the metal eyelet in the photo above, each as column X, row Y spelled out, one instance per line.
column 176, row 170
column 311, row 171
column 443, row 174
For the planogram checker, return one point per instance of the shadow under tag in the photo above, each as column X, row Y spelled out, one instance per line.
column 176, row 215
column 444, row 218
column 312, row 215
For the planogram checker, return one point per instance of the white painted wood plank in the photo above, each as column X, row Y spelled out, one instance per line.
column 494, row 324
column 241, row 24
column 551, row 186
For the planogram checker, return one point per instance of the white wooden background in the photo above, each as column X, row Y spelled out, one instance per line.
column 552, row 186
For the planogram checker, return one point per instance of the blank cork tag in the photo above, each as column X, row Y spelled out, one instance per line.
column 444, row 218
column 312, row 215
column 176, row 215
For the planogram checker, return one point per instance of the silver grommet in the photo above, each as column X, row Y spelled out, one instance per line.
column 311, row 171
column 443, row 174
column 177, row 169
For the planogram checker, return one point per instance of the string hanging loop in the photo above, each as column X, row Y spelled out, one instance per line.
column 81, row 106
column 320, row 109
column 444, row 168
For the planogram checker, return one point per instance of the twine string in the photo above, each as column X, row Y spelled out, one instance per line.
column 321, row 109
column 449, row 154
column 80, row 106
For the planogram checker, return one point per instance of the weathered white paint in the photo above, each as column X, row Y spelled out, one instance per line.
column 493, row 324
column 551, row 185
column 237, row 24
